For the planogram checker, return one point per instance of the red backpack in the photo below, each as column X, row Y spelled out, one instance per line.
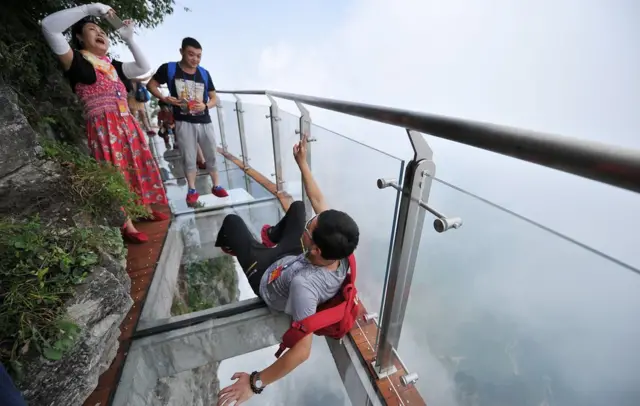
column 334, row 318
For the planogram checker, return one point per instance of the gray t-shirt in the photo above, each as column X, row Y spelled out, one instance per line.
column 296, row 287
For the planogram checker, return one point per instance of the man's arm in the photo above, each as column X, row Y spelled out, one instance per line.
column 316, row 198
column 303, row 303
column 152, row 86
column 289, row 361
column 212, row 92
column 212, row 99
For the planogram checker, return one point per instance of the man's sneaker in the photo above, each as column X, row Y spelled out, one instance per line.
column 192, row 197
column 266, row 241
column 218, row 191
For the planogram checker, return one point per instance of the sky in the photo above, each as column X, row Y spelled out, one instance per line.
column 566, row 67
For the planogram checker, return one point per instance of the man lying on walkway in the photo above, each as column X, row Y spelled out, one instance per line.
column 299, row 265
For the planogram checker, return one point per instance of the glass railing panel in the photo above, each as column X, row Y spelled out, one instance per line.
column 316, row 382
column 194, row 275
column 232, row 134
column 346, row 172
column 257, row 127
column 502, row 312
column 289, row 124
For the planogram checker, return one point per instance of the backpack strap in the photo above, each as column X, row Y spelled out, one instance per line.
column 317, row 321
column 313, row 323
column 171, row 74
column 205, row 78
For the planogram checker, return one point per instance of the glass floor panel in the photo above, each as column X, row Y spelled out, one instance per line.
column 314, row 383
column 189, row 366
column 192, row 274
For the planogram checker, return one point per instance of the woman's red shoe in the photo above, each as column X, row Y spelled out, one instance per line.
column 158, row 216
column 155, row 216
column 134, row 238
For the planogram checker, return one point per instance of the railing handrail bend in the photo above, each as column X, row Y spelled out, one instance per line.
column 605, row 163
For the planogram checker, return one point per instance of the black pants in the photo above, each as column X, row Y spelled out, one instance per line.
column 254, row 257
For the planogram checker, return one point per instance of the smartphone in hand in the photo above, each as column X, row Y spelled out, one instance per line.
column 114, row 20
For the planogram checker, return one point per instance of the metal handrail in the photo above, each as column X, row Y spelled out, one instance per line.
column 608, row 164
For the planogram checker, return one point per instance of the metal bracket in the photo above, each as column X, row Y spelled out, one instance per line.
column 409, row 379
column 383, row 373
column 442, row 223
column 370, row 316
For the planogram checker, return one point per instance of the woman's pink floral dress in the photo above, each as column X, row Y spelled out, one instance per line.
column 118, row 138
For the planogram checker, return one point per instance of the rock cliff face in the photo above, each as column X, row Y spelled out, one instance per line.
column 31, row 186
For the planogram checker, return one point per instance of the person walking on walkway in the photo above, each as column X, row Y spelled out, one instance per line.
column 192, row 94
column 101, row 84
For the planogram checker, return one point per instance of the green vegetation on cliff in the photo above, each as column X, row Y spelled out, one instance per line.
column 98, row 187
column 39, row 269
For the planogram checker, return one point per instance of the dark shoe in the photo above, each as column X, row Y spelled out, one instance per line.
column 201, row 165
column 266, row 241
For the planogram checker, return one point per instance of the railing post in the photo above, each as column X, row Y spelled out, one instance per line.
column 305, row 128
column 274, row 115
column 223, row 135
column 243, row 140
column 415, row 188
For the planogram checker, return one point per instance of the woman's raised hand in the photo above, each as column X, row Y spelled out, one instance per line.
column 126, row 31
column 99, row 9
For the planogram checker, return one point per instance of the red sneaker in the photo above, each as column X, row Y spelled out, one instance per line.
column 192, row 197
column 266, row 241
column 218, row 191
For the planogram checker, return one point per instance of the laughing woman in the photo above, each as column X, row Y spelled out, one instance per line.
column 101, row 84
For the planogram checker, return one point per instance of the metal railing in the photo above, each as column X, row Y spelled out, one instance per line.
column 600, row 162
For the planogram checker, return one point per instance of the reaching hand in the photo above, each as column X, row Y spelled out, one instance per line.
column 126, row 31
column 99, row 9
column 171, row 100
column 239, row 392
column 300, row 150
